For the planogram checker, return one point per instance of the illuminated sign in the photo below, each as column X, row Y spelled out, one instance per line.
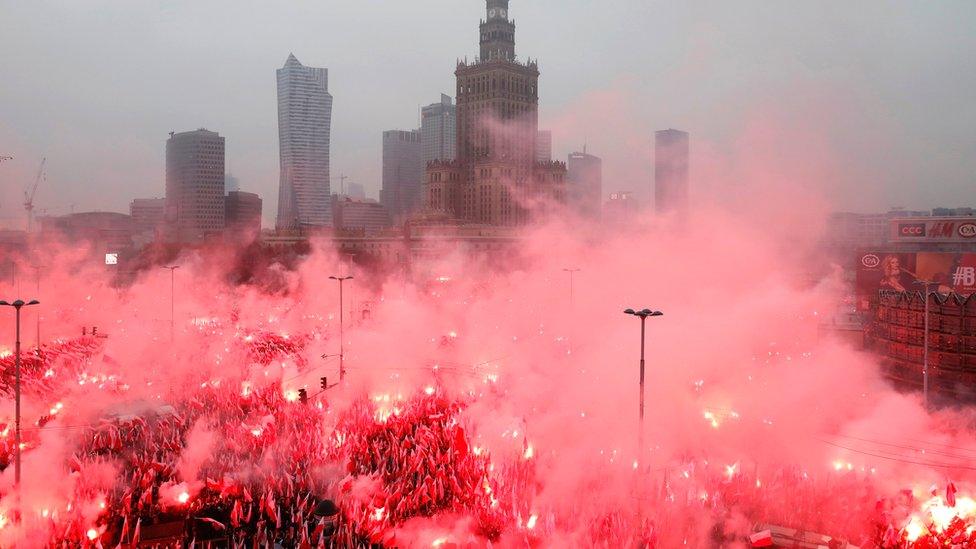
column 911, row 229
column 934, row 229
column 870, row 261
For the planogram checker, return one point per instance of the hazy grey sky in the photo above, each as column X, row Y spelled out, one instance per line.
column 886, row 87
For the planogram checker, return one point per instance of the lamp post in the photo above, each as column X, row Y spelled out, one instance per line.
column 37, row 273
column 172, row 300
column 17, row 305
column 925, row 349
column 571, row 271
column 342, row 365
column 642, row 314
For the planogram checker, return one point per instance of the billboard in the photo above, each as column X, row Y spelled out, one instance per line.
column 953, row 272
column 877, row 271
column 934, row 229
column 885, row 271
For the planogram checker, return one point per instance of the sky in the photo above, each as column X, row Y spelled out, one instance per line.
column 881, row 90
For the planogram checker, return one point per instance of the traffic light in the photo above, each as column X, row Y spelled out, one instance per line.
column 94, row 331
column 325, row 383
column 302, row 396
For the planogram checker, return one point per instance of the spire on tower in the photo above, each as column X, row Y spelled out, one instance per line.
column 292, row 61
column 497, row 33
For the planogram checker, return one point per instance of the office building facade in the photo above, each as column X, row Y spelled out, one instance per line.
column 362, row 215
column 671, row 162
column 194, row 184
column 438, row 129
column 584, row 186
column 543, row 146
column 304, row 138
column 242, row 214
column 403, row 172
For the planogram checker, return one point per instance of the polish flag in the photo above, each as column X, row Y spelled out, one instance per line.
column 762, row 539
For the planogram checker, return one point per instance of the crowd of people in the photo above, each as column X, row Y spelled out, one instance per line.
column 257, row 466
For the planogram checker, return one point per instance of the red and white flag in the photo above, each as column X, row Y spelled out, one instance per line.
column 762, row 539
column 951, row 494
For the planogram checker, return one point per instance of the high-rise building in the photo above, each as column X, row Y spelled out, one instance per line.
column 495, row 179
column 242, row 214
column 438, row 129
column 304, row 130
column 194, row 184
column 148, row 214
column 584, row 187
column 355, row 190
column 671, row 172
column 231, row 183
column 105, row 232
column 364, row 215
column 543, row 146
column 403, row 172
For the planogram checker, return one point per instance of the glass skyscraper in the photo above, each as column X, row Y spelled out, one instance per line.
column 304, row 131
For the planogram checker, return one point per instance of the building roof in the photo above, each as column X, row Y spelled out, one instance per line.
column 292, row 61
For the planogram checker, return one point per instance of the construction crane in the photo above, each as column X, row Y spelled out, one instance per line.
column 29, row 195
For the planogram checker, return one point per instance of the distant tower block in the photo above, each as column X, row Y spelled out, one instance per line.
column 671, row 153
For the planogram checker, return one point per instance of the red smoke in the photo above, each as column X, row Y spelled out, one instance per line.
column 529, row 399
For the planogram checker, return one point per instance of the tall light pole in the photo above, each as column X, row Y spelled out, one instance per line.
column 642, row 314
column 37, row 273
column 172, row 300
column 17, row 305
column 571, row 271
column 342, row 356
column 925, row 352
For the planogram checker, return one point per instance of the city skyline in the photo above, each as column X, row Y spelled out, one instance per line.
column 710, row 264
column 868, row 95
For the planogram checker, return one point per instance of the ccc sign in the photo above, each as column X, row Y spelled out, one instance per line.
column 911, row 229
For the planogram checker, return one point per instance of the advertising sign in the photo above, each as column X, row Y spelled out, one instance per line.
column 900, row 272
column 885, row 271
column 934, row 229
column 953, row 272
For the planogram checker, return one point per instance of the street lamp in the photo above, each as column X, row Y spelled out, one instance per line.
column 925, row 353
column 342, row 366
column 37, row 272
column 17, row 305
column 571, row 271
column 642, row 314
column 172, row 299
